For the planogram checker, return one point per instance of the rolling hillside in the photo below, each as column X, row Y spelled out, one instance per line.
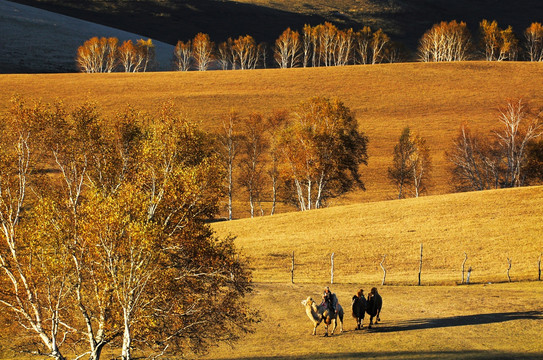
column 490, row 226
column 404, row 20
column 171, row 20
column 433, row 99
column 35, row 40
column 489, row 319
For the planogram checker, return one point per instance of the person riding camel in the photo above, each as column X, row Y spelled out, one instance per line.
column 330, row 300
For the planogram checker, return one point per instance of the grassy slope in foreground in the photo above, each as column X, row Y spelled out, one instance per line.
column 489, row 226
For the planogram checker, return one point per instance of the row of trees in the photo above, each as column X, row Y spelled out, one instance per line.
column 103, row 234
column 315, row 154
column 305, row 158
column 509, row 156
column 320, row 45
column 452, row 41
column 326, row 45
column 105, row 55
column 201, row 54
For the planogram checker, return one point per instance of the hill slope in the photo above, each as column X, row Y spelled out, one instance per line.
column 433, row 99
column 405, row 20
column 35, row 40
column 489, row 226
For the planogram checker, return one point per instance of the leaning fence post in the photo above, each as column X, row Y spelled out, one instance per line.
column 508, row 268
column 292, row 269
column 384, row 270
column 332, row 270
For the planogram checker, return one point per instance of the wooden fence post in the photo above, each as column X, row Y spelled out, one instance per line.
column 384, row 270
column 292, row 270
column 420, row 265
column 332, row 270
column 464, row 263
column 508, row 268
column 539, row 268
column 469, row 274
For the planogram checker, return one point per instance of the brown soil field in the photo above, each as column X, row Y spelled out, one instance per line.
column 433, row 99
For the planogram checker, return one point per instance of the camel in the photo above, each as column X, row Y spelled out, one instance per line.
column 319, row 313
column 374, row 305
column 358, row 306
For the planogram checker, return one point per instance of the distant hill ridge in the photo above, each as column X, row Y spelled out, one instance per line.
column 405, row 20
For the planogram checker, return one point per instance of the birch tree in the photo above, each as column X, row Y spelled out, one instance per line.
column 128, row 57
column 498, row 44
column 363, row 39
column 422, row 165
column 33, row 293
column 246, row 52
column 183, row 56
column 323, row 150
column 253, row 145
column 97, row 55
column 445, row 42
column 228, row 140
column 519, row 128
column 202, row 50
column 275, row 123
column 476, row 162
column 379, row 42
column 534, row 42
column 287, row 49
column 306, row 44
column 115, row 246
column 401, row 171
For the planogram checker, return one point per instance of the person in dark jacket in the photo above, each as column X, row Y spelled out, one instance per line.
column 330, row 299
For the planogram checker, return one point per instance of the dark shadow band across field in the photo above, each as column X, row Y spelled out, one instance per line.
column 460, row 354
column 465, row 320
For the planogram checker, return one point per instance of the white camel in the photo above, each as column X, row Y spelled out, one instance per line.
column 319, row 313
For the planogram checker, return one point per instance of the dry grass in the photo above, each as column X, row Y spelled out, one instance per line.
column 489, row 226
column 433, row 99
column 499, row 321
column 478, row 321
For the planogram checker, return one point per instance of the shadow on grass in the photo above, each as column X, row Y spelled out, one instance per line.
column 420, row 324
column 465, row 320
column 471, row 355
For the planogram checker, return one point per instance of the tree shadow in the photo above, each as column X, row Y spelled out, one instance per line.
column 464, row 320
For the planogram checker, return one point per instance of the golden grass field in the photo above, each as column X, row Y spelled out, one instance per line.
column 488, row 319
column 498, row 321
column 489, row 226
column 433, row 99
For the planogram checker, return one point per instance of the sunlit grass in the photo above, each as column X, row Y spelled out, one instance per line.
column 488, row 226
column 433, row 99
